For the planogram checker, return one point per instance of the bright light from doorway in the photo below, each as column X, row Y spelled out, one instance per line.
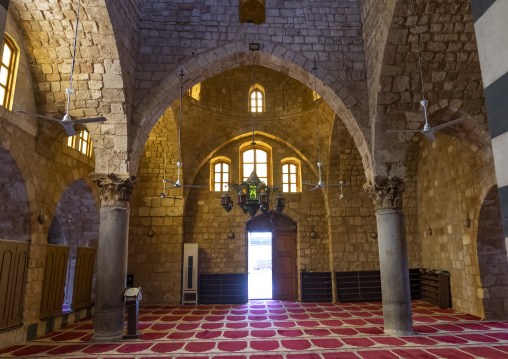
column 260, row 265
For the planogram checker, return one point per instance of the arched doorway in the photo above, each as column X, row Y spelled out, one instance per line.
column 282, row 233
column 492, row 257
column 75, row 224
column 14, row 238
column 14, row 207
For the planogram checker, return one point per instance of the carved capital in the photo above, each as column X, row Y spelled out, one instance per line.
column 386, row 192
column 114, row 187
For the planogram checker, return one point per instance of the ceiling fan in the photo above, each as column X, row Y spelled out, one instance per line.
column 179, row 184
column 164, row 196
column 320, row 183
column 67, row 122
column 427, row 130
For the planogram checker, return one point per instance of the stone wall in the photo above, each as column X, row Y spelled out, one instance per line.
column 207, row 224
column 492, row 258
column 453, row 179
column 155, row 260
column 352, row 218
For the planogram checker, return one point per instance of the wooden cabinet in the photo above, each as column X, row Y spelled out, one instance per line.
column 365, row 286
column 316, row 286
column 222, row 288
column 435, row 288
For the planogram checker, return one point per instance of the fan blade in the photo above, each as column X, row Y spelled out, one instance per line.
column 69, row 128
column 88, row 120
column 165, row 180
column 37, row 115
column 447, row 124
column 403, row 131
column 310, row 184
column 312, row 189
column 430, row 135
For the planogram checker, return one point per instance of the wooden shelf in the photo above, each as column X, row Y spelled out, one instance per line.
column 365, row 286
column 222, row 288
column 316, row 286
column 435, row 288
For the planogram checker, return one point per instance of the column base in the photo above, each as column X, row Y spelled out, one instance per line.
column 106, row 338
column 400, row 333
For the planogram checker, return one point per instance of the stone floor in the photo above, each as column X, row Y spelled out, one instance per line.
column 272, row 329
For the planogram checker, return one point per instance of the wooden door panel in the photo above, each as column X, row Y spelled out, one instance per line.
column 83, row 278
column 46, row 287
column 18, row 286
column 284, row 266
column 7, row 252
column 53, row 288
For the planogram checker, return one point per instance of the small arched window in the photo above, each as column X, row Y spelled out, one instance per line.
column 291, row 175
column 257, row 98
column 7, row 71
column 220, row 174
column 257, row 158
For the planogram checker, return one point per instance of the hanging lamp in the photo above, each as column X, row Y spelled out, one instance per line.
column 253, row 194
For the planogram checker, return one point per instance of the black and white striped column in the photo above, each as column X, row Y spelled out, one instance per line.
column 491, row 27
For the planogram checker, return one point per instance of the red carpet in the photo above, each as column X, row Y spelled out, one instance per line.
column 280, row 330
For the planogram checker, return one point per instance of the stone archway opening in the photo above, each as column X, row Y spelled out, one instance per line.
column 14, row 205
column 492, row 258
column 75, row 225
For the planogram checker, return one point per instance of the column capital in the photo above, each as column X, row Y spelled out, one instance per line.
column 114, row 187
column 386, row 192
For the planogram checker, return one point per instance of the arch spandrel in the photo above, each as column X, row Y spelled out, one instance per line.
column 234, row 55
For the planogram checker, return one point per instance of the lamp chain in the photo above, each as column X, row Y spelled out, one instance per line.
column 251, row 107
column 314, row 69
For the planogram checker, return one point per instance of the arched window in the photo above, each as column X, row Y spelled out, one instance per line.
column 291, row 175
column 195, row 91
column 256, row 159
column 220, row 174
column 7, row 71
column 81, row 142
column 257, row 98
column 252, row 11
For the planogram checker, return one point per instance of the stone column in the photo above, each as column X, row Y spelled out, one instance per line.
column 391, row 229
column 115, row 190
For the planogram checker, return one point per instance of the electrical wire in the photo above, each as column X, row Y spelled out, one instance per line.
column 69, row 91
column 75, row 44
column 419, row 53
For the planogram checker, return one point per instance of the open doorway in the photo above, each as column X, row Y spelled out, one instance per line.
column 260, row 265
